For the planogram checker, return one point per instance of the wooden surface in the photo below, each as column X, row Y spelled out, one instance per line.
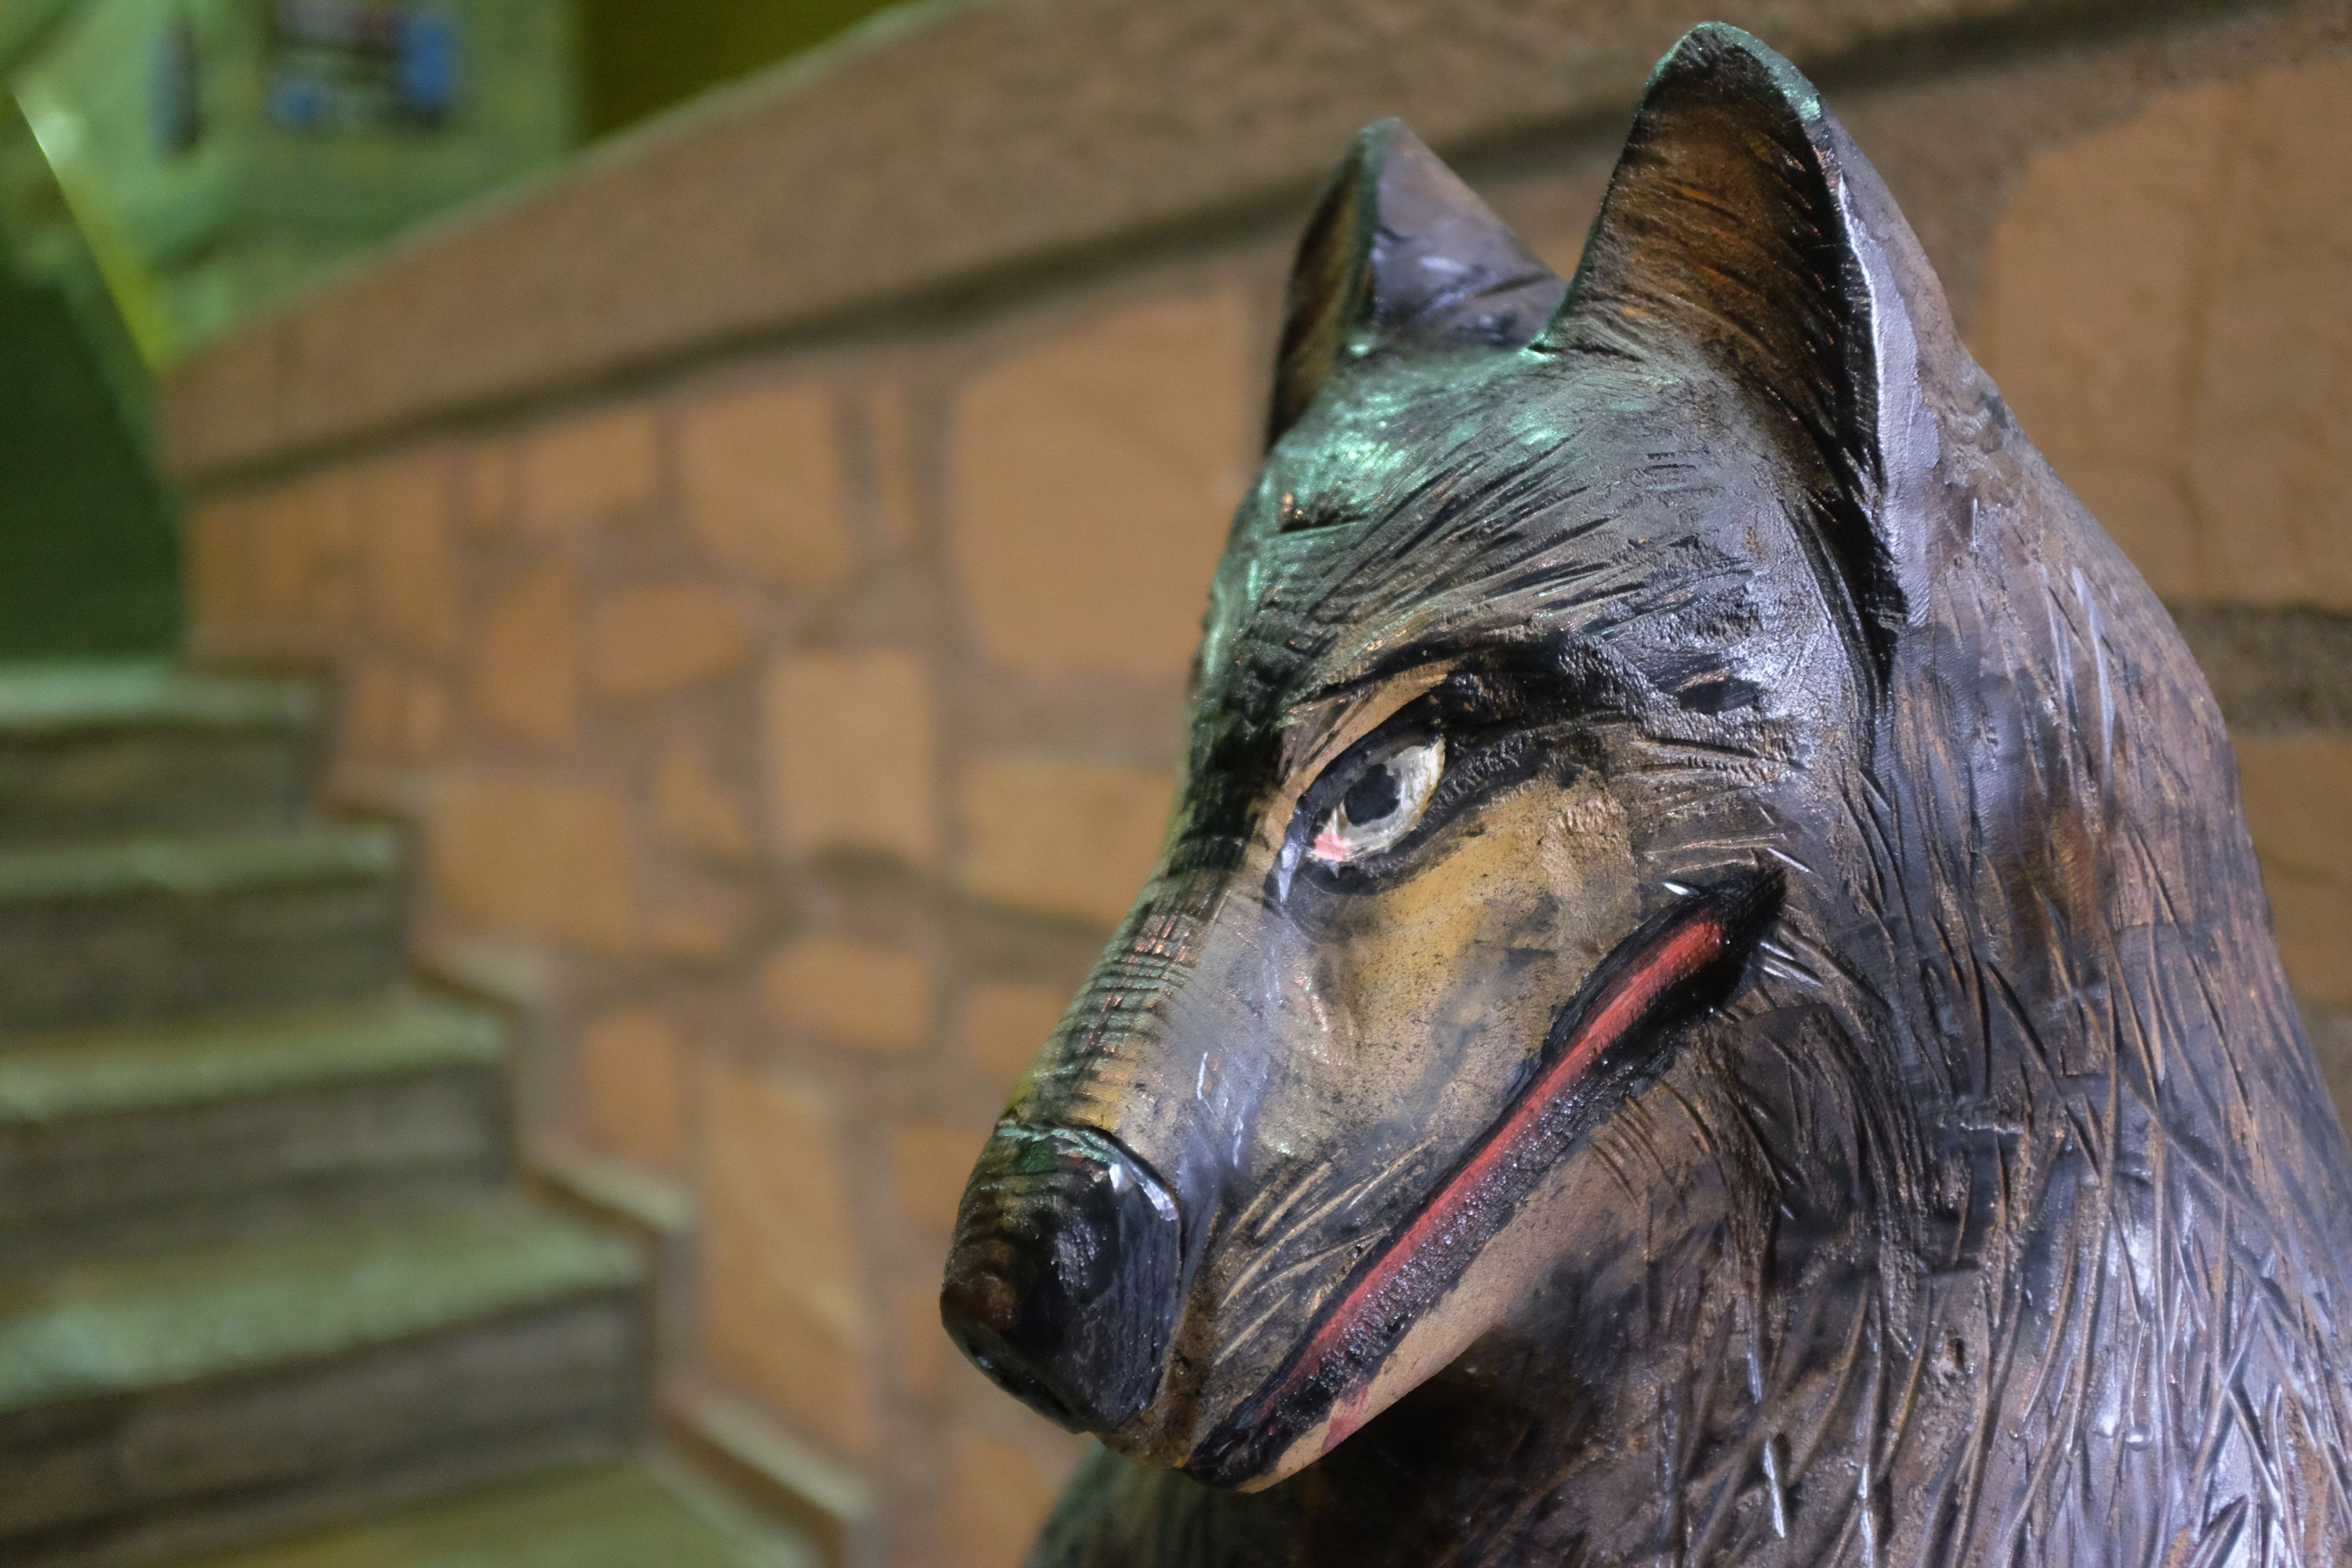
column 1708, row 995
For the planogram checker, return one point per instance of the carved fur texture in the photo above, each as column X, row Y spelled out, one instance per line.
column 1708, row 999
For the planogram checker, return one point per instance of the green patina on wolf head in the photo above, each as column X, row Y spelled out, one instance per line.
column 1707, row 908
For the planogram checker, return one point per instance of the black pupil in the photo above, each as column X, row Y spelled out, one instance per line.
column 1373, row 797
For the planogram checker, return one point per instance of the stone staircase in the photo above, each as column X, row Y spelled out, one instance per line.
column 262, row 1264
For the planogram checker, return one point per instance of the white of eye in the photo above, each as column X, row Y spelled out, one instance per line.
column 1382, row 806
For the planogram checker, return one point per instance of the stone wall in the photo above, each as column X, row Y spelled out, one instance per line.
column 787, row 712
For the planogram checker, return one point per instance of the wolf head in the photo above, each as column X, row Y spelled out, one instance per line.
column 1538, row 845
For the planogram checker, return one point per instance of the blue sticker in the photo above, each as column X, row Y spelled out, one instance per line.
column 427, row 80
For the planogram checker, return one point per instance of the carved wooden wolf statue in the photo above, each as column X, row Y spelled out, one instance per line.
column 1707, row 963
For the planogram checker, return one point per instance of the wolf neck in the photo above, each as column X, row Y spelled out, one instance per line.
column 2078, row 1068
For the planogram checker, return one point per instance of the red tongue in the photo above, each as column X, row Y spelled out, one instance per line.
column 1637, row 983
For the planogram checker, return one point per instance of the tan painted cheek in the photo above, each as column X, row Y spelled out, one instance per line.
column 1587, row 854
column 1553, row 880
column 1418, row 1009
column 1479, row 939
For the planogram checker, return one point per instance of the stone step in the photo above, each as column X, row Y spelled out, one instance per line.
column 130, row 1135
column 146, row 927
column 88, row 750
column 222, row 1393
column 599, row 1516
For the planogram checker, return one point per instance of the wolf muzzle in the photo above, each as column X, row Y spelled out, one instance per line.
column 1064, row 1278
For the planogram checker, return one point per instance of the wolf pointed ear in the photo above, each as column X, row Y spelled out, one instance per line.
column 1744, row 227
column 1401, row 253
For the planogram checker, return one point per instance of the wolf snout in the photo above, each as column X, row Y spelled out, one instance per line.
column 1063, row 1282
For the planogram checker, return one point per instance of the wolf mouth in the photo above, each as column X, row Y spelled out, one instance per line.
column 1609, row 1039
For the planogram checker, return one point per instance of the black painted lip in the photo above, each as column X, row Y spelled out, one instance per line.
column 987, row 1350
column 1612, row 1038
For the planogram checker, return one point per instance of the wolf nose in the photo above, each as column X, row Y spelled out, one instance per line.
column 1062, row 1285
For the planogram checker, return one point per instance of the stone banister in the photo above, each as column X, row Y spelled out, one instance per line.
column 931, row 151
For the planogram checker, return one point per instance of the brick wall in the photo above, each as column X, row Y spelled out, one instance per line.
column 785, row 728
column 805, row 720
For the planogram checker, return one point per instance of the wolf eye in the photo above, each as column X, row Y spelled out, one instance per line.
column 1381, row 806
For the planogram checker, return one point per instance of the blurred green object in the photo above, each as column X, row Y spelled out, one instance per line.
column 89, row 557
column 218, row 155
column 637, row 59
column 88, row 547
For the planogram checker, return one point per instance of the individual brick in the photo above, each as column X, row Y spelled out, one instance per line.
column 1058, row 836
column 780, row 1306
column 533, row 857
column 2270, row 457
column 395, row 715
column 851, row 742
column 1002, row 1024
column 525, row 678
column 598, row 466
column 702, row 923
column 998, row 1494
column 489, row 484
column 1094, row 478
column 920, row 1347
column 895, row 450
column 2163, row 307
column 860, row 994
column 2092, row 285
column 630, row 1075
column 219, row 543
column 760, row 482
column 2302, row 824
column 698, row 810
column 654, row 638
column 305, row 554
column 403, row 508
column 930, row 1160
